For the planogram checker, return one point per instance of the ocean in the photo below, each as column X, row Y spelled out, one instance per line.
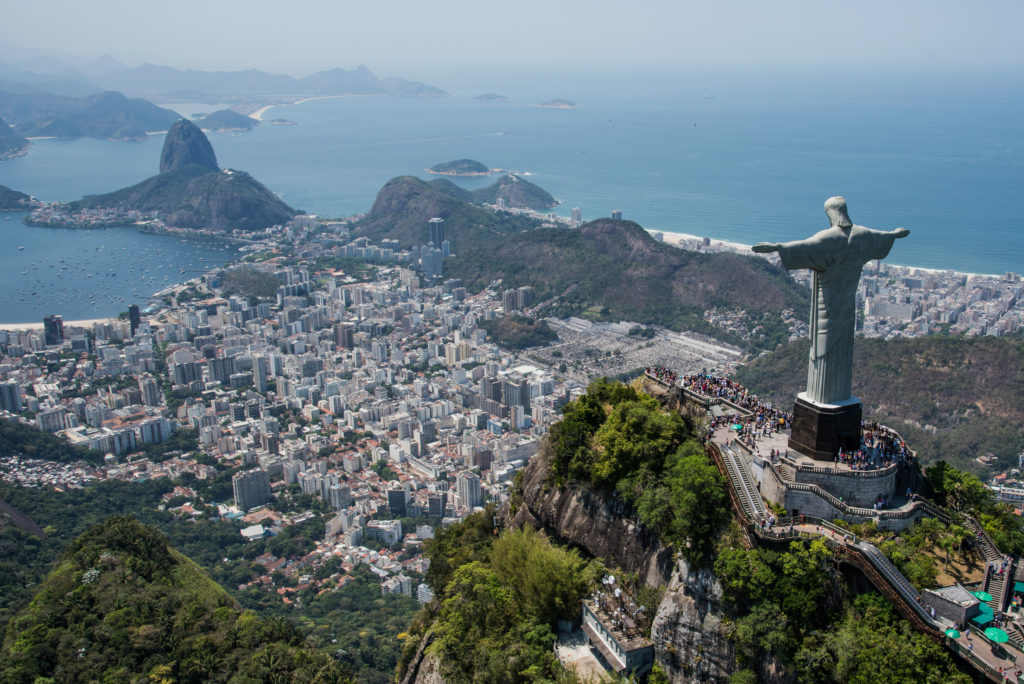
column 739, row 163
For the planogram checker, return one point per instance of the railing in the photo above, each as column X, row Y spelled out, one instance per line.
column 832, row 472
column 977, row 661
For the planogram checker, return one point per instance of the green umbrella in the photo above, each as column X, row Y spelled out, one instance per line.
column 982, row 595
column 997, row 635
column 952, row 633
column 737, row 427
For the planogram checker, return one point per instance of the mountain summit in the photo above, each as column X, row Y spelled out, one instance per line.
column 185, row 144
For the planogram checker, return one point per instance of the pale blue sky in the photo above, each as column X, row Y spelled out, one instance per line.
column 415, row 39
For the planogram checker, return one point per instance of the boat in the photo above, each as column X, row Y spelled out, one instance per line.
column 21, row 248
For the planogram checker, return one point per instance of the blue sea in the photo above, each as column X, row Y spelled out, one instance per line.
column 739, row 160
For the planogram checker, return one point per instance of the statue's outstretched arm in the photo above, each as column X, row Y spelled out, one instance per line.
column 901, row 232
column 766, row 247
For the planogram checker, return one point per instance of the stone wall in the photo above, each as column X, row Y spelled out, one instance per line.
column 856, row 488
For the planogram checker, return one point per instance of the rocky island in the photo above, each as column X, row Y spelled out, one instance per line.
column 491, row 97
column 460, row 167
column 226, row 120
column 190, row 192
column 557, row 104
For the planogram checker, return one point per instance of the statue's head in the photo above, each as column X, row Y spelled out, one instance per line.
column 835, row 207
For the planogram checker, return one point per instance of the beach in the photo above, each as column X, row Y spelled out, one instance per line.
column 82, row 323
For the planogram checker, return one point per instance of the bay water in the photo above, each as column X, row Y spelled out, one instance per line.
column 743, row 165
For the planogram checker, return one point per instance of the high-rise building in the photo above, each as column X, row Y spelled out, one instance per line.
column 133, row 317
column 252, row 488
column 344, row 335
column 398, row 499
column 150, row 390
column 510, row 300
column 467, row 486
column 53, row 330
column 436, row 226
column 616, row 214
column 260, row 373
column 10, row 397
column 577, row 216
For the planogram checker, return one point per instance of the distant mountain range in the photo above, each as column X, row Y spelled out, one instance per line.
column 75, row 78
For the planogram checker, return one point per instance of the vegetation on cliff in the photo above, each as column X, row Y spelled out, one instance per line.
column 952, row 398
column 618, row 440
column 123, row 605
column 186, row 144
column 519, row 332
column 497, row 602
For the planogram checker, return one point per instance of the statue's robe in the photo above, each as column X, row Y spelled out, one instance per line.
column 836, row 257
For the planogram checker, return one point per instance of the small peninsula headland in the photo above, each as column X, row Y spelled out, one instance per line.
column 557, row 104
column 11, row 144
column 12, row 200
column 190, row 192
column 460, row 167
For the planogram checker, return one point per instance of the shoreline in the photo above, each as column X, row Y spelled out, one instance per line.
column 80, row 323
column 677, row 239
column 258, row 114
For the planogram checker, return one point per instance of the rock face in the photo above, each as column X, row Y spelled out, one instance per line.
column 688, row 630
column 583, row 518
column 185, row 144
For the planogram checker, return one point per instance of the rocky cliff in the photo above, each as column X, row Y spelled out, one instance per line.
column 689, row 632
column 185, row 144
column 588, row 520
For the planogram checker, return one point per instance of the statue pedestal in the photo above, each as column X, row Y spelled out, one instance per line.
column 819, row 430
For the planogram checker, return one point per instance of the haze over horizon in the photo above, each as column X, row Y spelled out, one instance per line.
column 430, row 42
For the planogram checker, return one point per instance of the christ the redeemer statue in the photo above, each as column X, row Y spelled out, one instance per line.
column 836, row 256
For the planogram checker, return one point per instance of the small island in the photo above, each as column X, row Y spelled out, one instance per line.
column 558, row 104
column 282, row 122
column 460, row 167
column 226, row 120
column 491, row 97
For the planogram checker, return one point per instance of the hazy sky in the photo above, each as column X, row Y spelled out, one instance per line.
column 414, row 39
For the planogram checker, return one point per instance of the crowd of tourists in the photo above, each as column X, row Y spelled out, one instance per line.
column 879, row 448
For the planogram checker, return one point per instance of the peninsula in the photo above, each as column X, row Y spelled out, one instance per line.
column 190, row 192
column 12, row 200
column 11, row 143
column 226, row 120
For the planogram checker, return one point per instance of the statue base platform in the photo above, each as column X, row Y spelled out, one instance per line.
column 819, row 430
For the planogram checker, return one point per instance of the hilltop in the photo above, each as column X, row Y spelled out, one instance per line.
column 192, row 192
column 122, row 605
column 226, row 120
column 12, row 200
column 107, row 115
column 608, row 270
column 953, row 398
column 517, row 193
column 11, row 144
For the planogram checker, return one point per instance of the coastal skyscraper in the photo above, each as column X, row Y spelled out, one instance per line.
column 133, row 317
column 616, row 214
column 577, row 216
column 436, row 226
column 53, row 330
